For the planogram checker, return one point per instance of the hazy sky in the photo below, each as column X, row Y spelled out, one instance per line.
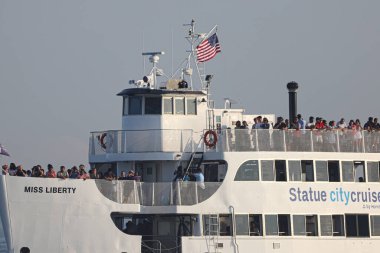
column 63, row 62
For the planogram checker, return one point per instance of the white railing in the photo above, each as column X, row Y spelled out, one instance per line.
column 157, row 194
column 235, row 140
column 232, row 140
column 136, row 141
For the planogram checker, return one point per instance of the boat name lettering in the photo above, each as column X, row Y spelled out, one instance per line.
column 52, row 189
column 339, row 195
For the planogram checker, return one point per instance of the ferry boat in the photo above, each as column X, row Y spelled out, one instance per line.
column 258, row 190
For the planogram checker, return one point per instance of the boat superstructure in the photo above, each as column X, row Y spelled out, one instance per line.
column 264, row 190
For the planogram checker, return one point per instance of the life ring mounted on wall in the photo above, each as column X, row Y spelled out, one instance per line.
column 210, row 138
column 104, row 141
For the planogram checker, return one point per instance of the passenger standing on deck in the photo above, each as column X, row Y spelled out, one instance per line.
column 51, row 172
column 123, row 176
column 311, row 123
column 199, row 178
column 301, row 122
column 62, row 173
column 5, row 169
column 20, row 172
column 12, row 169
column 94, row 173
column 74, row 172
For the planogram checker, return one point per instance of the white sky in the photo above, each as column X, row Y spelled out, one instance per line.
column 63, row 62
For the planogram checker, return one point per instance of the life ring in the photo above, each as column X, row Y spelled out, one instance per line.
column 210, row 138
column 103, row 141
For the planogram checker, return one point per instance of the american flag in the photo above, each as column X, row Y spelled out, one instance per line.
column 208, row 48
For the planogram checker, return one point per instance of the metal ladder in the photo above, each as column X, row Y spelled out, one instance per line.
column 212, row 236
column 196, row 160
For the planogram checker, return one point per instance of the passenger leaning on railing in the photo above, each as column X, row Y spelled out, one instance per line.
column 5, row 170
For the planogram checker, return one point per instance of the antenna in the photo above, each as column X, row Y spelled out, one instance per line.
column 151, row 79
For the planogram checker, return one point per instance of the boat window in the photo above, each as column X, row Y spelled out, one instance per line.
column 191, row 104
column 375, row 225
column 333, row 169
column 294, row 170
column 242, row 227
column 280, row 166
column 277, row 225
column 332, row 225
column 321, row 170
column 301, row 170
column 125, row 106
column 373, row 171
column 357, row 225
column 179, row 106
column 153, row 105
column 134, row 105
column 267, row 170
column 248, row 171
column 347, row 171
column 210, row 224
column 255, row 225
column 305, row 225
column 307, row 171
column 168, row 105
column 225, row 225
column 359, row 171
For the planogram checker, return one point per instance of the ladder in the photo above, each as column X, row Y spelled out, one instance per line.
column 195, row 162
column 212, row 233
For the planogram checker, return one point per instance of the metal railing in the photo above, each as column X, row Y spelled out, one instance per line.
column 232, row 140
column 235, row 140
column 136, row 141
column 157, row 194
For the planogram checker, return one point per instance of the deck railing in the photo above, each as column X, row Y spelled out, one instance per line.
column 232, row 140
column 137, row 141
column 235, row 140
column 157, row 194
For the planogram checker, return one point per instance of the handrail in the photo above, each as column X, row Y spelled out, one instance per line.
column 235, row 140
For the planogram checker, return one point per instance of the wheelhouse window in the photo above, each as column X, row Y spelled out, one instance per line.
column 277, row 225
column 134, row 105
column 179, row 106
column 301, row 170
column 248, row 171
column 153, row 105
column 332, row 225
column 375, row 225
column 191, row 106
column 357, row 225
column 168, row 105
column 305, row 225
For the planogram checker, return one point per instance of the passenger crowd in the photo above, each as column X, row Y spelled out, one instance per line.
column 73, row 173
column 314, row 123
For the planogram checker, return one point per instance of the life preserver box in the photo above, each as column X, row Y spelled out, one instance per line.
column 210, row 138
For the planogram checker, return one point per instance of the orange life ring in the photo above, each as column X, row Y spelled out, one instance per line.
column 210, row 138
column 102, row 140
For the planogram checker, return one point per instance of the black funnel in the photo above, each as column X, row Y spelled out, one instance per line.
column 292, row 88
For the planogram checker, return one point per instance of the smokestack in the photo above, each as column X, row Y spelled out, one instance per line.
column 292, row 88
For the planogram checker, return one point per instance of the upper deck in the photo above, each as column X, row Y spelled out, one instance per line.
column 234, row 140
